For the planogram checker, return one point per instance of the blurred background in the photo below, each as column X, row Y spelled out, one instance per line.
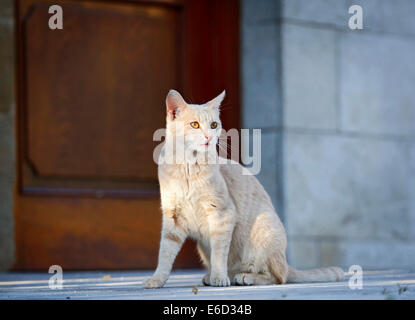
column 78, row 108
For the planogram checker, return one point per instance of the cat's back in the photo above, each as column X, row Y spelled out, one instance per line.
column 247, row 192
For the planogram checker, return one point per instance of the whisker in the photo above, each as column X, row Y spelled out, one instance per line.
column 225, row 145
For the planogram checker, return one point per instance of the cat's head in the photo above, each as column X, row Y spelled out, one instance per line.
column 201, row 125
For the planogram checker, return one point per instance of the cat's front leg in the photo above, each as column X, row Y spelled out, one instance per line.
column 172, row 239
column 221, row 225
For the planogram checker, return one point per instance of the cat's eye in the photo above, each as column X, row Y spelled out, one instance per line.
column 214, row 125
column 194, row 125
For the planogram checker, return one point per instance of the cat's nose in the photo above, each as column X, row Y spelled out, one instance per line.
column 208, row 138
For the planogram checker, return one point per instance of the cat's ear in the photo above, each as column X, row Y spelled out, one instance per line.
column 215, row 103
column 174, row 103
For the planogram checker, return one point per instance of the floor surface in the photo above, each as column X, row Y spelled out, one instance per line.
column 186, row 284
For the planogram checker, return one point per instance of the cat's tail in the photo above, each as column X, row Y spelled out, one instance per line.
column 315, row 275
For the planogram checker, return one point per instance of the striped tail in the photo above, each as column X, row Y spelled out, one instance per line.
column 315, row 275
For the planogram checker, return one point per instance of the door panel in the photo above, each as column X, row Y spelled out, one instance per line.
column 100, row 104
column 89, row 99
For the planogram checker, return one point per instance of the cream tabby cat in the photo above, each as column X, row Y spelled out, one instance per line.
column 240, row 238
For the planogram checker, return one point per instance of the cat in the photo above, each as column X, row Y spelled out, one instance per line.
column 240, row 238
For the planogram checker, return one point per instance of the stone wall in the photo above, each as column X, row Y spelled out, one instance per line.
column 7, row 141
column 337, row 109
column 261, row 88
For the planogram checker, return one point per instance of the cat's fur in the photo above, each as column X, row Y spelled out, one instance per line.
column 241, row 239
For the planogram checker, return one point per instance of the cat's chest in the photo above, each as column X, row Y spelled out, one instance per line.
column 189, row 205
column 191, row 189
column 189, row 182
column 192, row 194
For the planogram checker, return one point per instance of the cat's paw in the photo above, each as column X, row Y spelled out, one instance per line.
column 206, row 279
column 243, row 279
column 153, row 283
column 220, row 281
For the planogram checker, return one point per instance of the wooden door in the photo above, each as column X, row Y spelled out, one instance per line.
column 89, row 98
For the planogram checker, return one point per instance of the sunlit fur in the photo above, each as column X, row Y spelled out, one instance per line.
column 240, row 237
